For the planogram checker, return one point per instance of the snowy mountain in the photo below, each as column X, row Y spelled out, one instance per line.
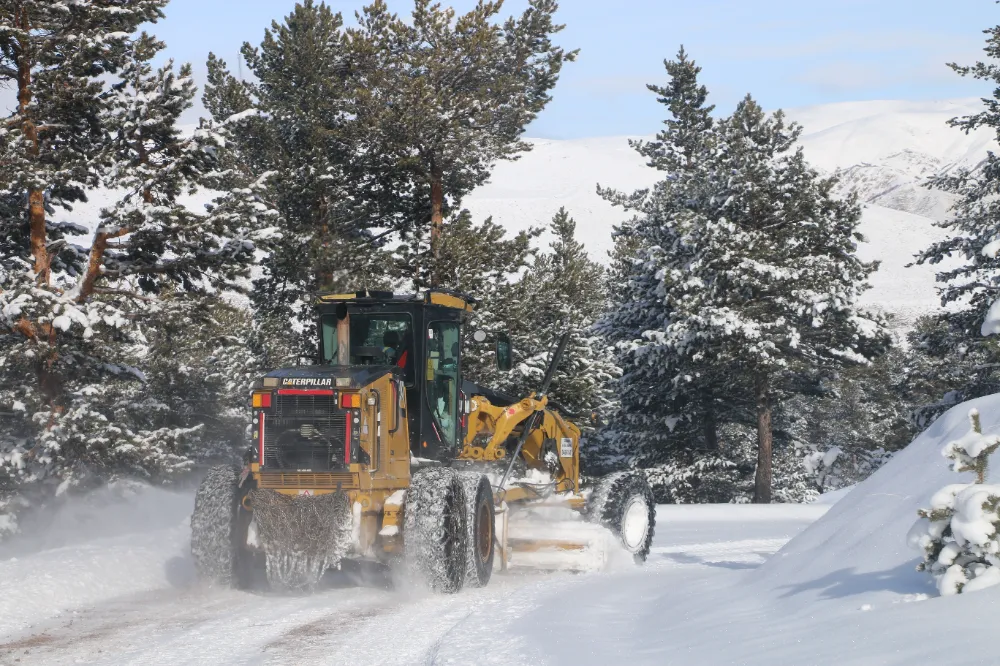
column 884, row 151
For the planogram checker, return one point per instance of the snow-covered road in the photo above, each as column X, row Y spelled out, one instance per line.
column 133, row 599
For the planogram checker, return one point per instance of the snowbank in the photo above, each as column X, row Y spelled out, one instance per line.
column 832, row 497
column 859, row 547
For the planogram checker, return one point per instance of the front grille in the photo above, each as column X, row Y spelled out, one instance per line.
column 346, row 480
column 305, row 432
column 314, row 407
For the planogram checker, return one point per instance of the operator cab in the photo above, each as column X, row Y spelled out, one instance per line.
column 419, row 339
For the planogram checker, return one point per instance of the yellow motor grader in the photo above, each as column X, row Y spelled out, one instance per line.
column 381, row 451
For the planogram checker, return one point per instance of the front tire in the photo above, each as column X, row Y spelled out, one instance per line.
column 481, row 518
column 216, row 527
column 623, row 502
column 435, row 529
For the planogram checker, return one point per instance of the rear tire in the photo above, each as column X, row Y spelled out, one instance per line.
column 435, row 529
column 481, row 518
column 217, row 528
column 623, row 502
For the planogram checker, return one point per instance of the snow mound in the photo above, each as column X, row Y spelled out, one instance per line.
column 860, row 546
column 833, row 496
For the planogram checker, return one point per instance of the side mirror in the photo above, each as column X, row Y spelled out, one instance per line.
column 505, row 354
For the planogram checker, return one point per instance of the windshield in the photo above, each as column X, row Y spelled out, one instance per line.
column 376, row 339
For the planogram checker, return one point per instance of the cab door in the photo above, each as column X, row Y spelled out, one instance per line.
column 442, row 378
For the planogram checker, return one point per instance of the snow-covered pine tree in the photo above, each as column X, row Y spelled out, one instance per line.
column 671, row 402
column 959, row 343
column 296, row 123
column 682, row 145
column 56, row 59
column 448, row 96
column 771, row 286
column 958, row 534
column 564, row 291
column 74, row 334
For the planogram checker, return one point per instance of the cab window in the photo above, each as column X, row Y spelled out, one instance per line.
column 443, row 350
column 376, row 339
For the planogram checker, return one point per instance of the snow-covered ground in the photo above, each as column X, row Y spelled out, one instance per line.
column 133, row 598
column 825, row 583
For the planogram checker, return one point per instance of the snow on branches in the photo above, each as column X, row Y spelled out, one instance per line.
column 958, row 534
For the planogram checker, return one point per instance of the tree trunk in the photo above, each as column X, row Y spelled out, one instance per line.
column 94, row 263
column 762, row 481
column 437, row 218
column 36, row 196
column 36, row 219
column 711, row 429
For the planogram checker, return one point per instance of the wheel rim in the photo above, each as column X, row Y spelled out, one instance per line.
column 635, row 523
column 484, row 533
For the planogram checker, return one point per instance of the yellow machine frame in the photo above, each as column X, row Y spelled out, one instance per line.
column 373, row 488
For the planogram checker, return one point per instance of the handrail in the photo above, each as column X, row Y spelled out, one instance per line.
column 377, row 453
column 395, row 409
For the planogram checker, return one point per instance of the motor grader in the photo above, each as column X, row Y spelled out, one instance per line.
column 381, row 451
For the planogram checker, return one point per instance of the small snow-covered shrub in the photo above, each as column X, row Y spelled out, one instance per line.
column 958, row 534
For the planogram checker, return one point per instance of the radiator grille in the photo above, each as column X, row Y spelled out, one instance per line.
column 305, row 432
column 304, row 406
column 320, row 481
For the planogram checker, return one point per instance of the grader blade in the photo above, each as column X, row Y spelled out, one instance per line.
column 554, row 540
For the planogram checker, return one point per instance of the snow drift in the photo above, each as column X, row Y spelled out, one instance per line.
column 860, row 546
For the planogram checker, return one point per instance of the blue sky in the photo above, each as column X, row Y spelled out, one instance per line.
column 787, row 53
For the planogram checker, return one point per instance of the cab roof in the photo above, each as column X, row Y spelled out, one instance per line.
column 442, row 297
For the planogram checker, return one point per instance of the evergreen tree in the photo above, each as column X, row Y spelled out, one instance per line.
column 75, row 333
column 958, row 355
column 670, row 401
column 296, row 126
column 682, row 145
column 772, row 281
column 448, row 96
column 565, row 292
